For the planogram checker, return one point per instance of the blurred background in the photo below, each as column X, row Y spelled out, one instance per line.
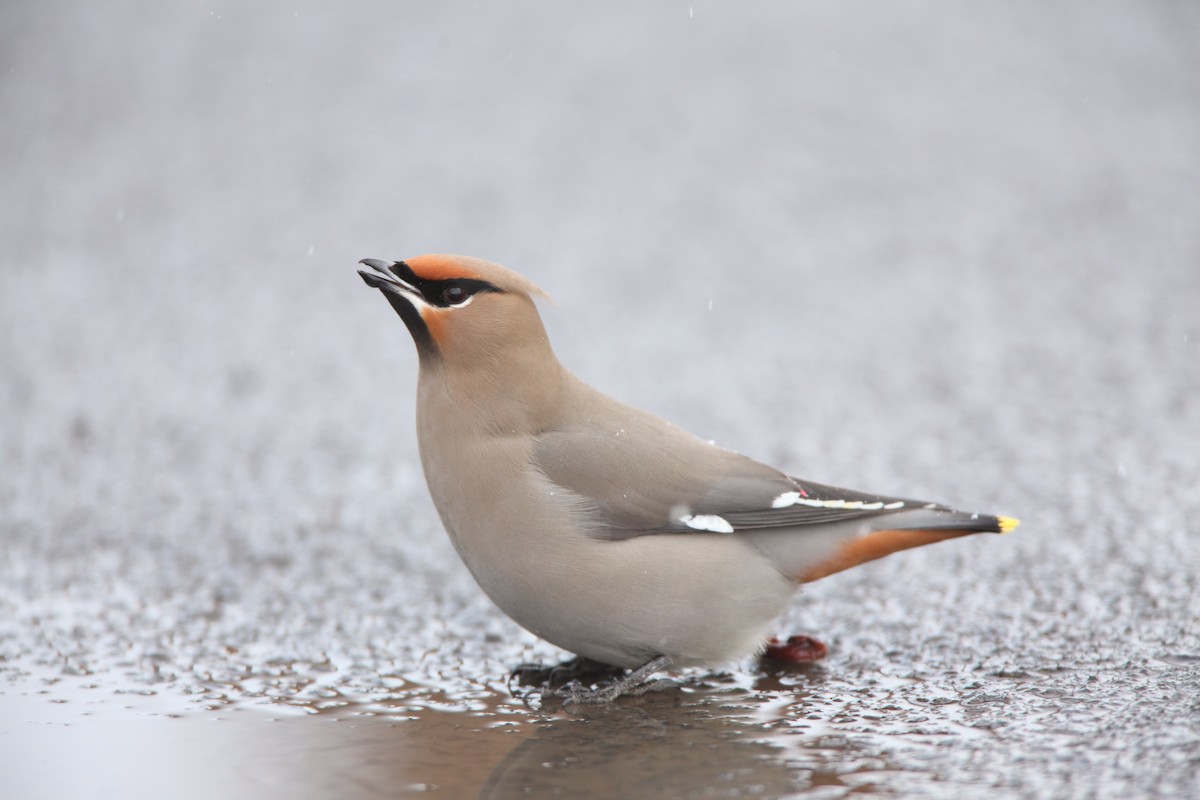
column 922, row 248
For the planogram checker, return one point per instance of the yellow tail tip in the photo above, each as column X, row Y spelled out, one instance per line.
column 1008, row 523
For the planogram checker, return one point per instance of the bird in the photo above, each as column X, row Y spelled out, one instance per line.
column 601, row 528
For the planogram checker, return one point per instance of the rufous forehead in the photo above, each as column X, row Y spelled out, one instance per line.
column 437, row 267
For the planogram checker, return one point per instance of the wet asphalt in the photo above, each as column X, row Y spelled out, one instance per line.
column 930, row 250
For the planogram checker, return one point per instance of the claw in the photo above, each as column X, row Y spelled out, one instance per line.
column 566, row 681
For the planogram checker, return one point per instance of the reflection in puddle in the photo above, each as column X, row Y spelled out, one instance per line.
column 720, row 740
column 671, row 744
column 711, row 737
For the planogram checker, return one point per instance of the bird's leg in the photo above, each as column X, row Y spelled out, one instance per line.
column 556, row 675
column 637, row 681
column 797, row 650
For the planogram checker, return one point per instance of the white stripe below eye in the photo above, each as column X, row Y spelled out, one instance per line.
column 464, row 303
column 407, row 292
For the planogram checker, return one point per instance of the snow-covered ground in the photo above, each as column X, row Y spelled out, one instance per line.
column 941, row 250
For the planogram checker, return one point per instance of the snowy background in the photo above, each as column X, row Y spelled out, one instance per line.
column 923, row 248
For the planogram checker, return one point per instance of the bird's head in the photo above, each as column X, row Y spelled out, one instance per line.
column 459, row 308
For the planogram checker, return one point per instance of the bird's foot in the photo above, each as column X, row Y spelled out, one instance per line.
column 636, row 682
column 578, row 669
column 796, row 650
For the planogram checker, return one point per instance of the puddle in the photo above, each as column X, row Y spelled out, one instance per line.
column 815, row 732
column 710, row 737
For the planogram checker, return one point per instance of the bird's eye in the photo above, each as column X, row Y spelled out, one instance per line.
column 454, row 295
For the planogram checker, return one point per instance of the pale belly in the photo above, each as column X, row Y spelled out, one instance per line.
column 697, row 598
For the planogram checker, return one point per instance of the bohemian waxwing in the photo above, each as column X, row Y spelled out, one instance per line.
column 599, row 527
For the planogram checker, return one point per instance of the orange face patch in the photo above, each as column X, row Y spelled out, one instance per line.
column 435, row 323
column 872, row 546
column 438, row 267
